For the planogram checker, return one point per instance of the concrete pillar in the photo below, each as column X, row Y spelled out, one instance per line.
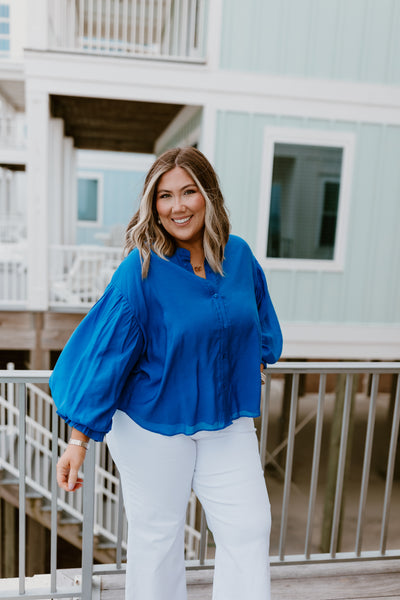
column 56, row 177
column 208, row 132
column 37, row 109
column 69, row 192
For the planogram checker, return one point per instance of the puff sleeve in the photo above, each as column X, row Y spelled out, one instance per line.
column 271, row 335
column 92, row 369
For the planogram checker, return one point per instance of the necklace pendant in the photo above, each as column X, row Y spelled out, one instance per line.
column 197, row 268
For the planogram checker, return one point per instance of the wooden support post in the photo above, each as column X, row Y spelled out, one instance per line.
column 37, row 548
column 9, row 541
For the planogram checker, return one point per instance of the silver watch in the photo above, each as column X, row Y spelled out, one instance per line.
column 79, row 443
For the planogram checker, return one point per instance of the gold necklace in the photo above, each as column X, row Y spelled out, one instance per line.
column 197, row 268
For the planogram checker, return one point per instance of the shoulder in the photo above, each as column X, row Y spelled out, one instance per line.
column 237, row 246
column 129, row 267
column 128, row 276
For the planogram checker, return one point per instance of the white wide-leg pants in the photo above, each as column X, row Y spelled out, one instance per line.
column 224, row 470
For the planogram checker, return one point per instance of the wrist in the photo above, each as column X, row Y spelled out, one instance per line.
column 81, row 443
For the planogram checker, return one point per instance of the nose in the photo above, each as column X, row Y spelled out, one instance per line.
column 178, row 205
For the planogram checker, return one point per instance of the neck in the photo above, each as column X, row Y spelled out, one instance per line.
column 196, row 250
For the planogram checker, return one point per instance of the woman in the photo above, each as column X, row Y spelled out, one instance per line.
column 167, row 364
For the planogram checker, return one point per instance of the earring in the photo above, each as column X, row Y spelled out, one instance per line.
column 159, row 221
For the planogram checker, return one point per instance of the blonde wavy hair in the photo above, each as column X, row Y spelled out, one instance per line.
column 146, row 233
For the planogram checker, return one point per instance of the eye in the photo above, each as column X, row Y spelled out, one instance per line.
column 165, row 195
column 190, row 191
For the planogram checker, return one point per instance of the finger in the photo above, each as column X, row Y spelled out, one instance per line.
column 62, row 477
column 72, row 479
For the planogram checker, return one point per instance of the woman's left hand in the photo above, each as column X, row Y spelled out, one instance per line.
column 262, row 374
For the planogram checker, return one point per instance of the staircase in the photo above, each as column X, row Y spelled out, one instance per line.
column 38, row 478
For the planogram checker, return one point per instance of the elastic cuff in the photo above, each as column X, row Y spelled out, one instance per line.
column 97, row 436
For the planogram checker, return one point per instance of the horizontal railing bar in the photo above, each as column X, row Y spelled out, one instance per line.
column 290, row 559
column 43, row 594
column 130, row 55
column 334, row 367
column 27, row 376
column 24, row 376
column 300, row 559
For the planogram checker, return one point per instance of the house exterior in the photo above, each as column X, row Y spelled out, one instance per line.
column 297, row 105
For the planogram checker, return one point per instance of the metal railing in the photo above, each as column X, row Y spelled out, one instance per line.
column 39, row 459
column 334, row 474
column 306, row 401
column 157, row 29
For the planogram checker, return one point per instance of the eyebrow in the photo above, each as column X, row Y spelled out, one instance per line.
column 162, row 190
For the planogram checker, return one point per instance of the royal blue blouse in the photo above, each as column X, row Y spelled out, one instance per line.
column 176, row 352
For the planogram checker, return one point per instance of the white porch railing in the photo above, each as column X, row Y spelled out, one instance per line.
column 80, row 274
column 13, row 274
column 158, row 29
column 359, row 395
column 12, row 131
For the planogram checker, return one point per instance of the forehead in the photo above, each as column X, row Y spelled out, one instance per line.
column 175, row 178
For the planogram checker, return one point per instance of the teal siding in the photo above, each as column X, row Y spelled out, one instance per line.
column 120, row 200
column 368, row 289
column 354, row 40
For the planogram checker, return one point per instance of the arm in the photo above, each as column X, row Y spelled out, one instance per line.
column 90, row 374
column 70, row 463
column 270, row 328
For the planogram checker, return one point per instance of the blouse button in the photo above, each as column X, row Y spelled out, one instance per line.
column 215, row 296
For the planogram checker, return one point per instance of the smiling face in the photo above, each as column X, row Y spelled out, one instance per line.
column 181, row 208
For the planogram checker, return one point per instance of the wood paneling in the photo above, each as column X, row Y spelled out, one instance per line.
column 113, row 125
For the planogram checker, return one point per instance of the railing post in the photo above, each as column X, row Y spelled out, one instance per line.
column 390, row 467
column 54, row 494
column 118, row 556
column 21, row 393
column 88, row 522
column 289, row 464
column 203, row 538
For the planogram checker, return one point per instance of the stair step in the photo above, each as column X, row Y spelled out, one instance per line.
column 34, row 495
column 9, row 481
column 47, row 508
column 70, row 521
column 105, row 546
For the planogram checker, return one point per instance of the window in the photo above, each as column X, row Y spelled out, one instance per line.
column 89, row 199
column 4, row 29
column 305, row 191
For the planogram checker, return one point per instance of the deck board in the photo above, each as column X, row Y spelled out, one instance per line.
column 364, row 580
column 361, row 580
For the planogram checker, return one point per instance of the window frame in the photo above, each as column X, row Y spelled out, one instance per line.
column 305, row 137
column 100, row 197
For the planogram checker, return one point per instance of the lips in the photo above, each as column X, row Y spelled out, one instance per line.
column 182, row 221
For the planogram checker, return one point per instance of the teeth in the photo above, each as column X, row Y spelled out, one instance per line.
column 180, row 221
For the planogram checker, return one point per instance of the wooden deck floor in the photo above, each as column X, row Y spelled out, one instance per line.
column 364, row 580
column 369, row 580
